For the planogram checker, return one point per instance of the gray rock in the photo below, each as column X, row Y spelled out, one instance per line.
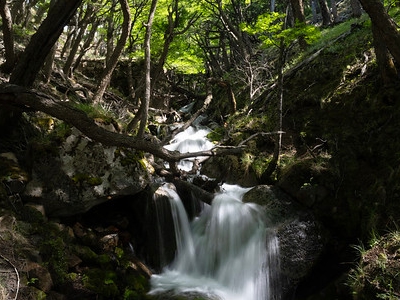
column 78, row 174
column 300, row 236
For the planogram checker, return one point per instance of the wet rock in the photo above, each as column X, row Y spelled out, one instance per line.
column 228, row 169
column 301, row 241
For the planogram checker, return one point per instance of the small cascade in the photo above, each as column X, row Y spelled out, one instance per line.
column 193, row 139
column 226, row 252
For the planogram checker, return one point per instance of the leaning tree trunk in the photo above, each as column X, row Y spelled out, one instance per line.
column 112, row 63
column 42, row 41
column 36, row 52
column 86, row 46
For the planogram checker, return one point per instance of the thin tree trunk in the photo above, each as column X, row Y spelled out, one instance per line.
column 70, row 37
column 8, row 37
column 298, row 13
column 110, row 31
column 86, row 45
column 147, row 53
column 334, row 11
column 82, row 29
column 112, row 63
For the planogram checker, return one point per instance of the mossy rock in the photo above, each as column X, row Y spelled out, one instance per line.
column 102, row 282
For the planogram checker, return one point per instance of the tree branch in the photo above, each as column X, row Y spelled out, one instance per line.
column 25, row 99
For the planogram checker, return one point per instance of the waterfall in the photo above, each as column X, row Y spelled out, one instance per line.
column 226, row 252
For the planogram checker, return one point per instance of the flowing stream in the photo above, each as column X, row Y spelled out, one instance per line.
column 227, row 252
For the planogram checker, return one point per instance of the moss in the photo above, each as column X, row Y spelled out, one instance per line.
column 217, row 134
column 102, row 282
column 81, row 178
column 53, row 251
column 86, row 254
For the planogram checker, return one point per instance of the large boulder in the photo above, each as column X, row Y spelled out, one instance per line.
column 72, row 176
column 300, row 236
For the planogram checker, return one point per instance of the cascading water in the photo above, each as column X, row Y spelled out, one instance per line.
column 227, row 252
column 193, row 139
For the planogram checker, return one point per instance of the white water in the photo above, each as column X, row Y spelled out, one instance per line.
column 226, row 252
column 193, row 139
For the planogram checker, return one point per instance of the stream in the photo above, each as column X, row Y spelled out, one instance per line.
column 227, row 252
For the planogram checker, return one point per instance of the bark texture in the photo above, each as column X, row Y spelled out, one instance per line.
column 42, row 41
column 385, row 25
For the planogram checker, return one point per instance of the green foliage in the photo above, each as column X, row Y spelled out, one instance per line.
column 95, row 111
column 271, row 31
column 216, row 134
column 376, row 274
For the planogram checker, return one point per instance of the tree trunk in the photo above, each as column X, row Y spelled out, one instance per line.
column 147, row 54
column 298, row 14
column 8, row 37
column 313, row 6
column 385, row 24
column 266, row 176
column 326, row 15
column 112, row 63
column 82, row 29
column 74, row 49
column 110, row 31
column 86, row 46
column 67, row 44
column 356, row 10
column 387, row 69
column 334, row 11
column 42, row 41
column 49, row 63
